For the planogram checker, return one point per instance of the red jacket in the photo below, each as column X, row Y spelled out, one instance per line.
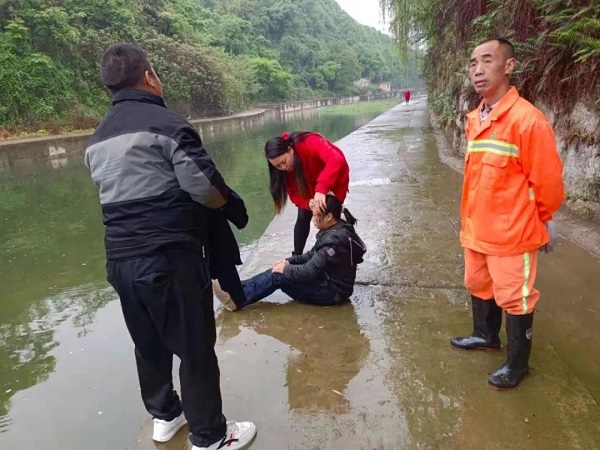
column 325, row 168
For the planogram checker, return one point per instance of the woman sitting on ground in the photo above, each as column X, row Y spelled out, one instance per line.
column 306, row 167
column 324, row 276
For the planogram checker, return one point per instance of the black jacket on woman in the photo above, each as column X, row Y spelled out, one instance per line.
column 333, row 259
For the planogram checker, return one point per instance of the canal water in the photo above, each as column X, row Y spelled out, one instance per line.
column 67, row 372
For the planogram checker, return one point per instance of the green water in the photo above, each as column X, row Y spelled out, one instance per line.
column 67, row 374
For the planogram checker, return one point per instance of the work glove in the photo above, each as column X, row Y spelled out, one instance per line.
column 549, row 247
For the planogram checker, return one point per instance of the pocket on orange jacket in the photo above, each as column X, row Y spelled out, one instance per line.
column 493, row 171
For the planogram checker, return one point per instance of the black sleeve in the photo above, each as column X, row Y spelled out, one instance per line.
column 196, row 171
column 313, row 269
column 301, row 259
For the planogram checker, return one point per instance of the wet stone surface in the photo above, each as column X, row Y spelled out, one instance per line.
column 379, row 373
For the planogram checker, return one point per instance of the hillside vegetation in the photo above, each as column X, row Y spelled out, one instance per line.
column 215, row 57
column 558, row 54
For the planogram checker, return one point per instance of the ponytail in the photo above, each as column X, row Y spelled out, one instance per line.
column 336, row 208
column 348, row 217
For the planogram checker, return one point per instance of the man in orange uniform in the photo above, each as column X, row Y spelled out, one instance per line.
column 512, row 187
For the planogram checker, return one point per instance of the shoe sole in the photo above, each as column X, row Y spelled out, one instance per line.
column 171, row 435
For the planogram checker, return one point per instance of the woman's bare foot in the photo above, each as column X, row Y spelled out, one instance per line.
column 223, row 297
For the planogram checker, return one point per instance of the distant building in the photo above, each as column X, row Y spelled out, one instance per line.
column 385, row 86
column 363, row 82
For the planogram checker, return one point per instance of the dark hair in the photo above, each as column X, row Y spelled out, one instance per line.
column 336, row 208
column 275, row 147
column 508, row 46
column 123, row 66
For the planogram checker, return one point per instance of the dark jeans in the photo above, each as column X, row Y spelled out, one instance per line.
column 301, row 230
column 267, row 282
column 167, row 303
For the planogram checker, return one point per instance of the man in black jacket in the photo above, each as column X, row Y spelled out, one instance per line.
column 158, row 191
column 323, row 276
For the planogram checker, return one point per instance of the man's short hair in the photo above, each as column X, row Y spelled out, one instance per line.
column 123, row 66
column 508, row 46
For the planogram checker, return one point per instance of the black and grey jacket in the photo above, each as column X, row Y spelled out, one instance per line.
column 154, row 176
column 334, row 259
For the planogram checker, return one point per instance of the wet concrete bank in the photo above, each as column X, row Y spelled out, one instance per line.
column 379, row 373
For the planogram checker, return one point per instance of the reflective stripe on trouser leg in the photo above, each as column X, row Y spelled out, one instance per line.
column 525, row 288
column 514, row 279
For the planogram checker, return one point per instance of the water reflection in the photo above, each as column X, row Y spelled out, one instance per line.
column 25, row 345
column 328, row 349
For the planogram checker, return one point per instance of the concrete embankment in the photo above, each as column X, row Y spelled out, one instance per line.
column 54, row 147
column 379, row 373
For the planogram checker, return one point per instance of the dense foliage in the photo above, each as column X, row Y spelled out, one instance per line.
column 558, row 45
column 216, row 56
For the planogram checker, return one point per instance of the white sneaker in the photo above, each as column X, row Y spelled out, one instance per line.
column 239, row 434
column 164, row 431
column 223, row 296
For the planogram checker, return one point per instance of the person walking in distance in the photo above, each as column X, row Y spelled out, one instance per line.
column 512, row 187
column 158, row 187
column 307, row 167
column 407, row 96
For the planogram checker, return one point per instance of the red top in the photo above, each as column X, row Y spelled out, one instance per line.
column 325, row 168
column 407, row 94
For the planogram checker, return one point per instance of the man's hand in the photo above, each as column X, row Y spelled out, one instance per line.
column 552, row 231
column 319, row 204
column 279, row 266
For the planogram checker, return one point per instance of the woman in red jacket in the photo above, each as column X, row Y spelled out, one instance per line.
column 306, row 167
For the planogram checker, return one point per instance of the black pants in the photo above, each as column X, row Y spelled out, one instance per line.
column 267, row 282
column 301, row 230
column 167, row 303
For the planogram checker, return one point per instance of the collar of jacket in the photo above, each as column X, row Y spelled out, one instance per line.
column 137, row 95
column 335, row 227
column 499, row 109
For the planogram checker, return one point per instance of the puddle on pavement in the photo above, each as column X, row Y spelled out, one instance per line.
column 310, row 376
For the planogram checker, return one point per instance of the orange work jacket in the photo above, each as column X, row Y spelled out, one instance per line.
column 513, row 179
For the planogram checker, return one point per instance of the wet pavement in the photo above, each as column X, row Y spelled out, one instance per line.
column 379, row 373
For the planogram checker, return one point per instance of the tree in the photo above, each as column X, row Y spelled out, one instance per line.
column 215, row 56
column 274, row 82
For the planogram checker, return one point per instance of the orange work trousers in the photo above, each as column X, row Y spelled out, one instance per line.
column 507, row 279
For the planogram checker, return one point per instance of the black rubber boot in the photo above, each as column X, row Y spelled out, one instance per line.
column 519, row 333
column 487, row 320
